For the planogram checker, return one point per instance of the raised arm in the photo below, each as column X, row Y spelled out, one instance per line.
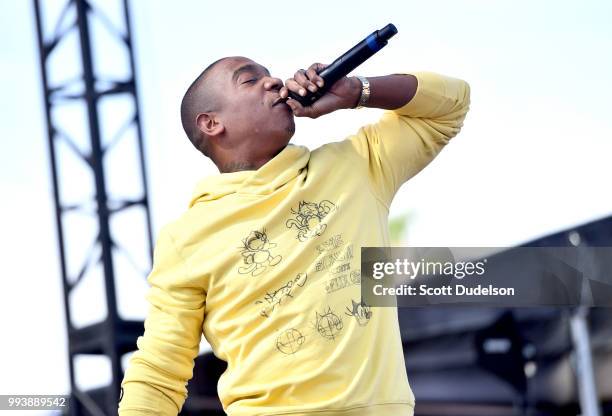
column 424, row 111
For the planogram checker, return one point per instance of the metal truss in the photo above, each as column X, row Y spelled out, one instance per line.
column 88, row 151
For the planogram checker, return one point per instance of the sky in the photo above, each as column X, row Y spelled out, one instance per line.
column 532, row 158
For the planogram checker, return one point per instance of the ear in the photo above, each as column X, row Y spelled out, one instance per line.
column 209, row 124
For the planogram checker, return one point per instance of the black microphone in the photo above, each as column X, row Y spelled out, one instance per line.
column 347, row 62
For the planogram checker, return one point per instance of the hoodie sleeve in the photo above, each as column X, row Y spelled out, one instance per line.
column 156, row 378
column 406, row 139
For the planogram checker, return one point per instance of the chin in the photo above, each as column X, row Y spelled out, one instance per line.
column 290, row 130
column 282, row 142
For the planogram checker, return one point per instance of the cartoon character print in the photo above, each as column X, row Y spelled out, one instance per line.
column 256, row 253
column 309, row 218
column 361, row 312
column 274, row 298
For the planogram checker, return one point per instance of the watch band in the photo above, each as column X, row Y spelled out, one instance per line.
column 365, row 92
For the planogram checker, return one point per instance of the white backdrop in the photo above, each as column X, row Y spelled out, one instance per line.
column 533, row 157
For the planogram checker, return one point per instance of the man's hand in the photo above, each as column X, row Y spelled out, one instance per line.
column 343, row 94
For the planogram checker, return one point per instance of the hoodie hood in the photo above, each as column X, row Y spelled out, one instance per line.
column 279, row 170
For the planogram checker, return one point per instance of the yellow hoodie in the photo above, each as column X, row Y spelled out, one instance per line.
column 266, row 264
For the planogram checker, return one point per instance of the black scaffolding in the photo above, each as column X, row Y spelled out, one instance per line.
column 76, row 85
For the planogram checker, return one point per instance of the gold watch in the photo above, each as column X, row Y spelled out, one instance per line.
column 365, row 92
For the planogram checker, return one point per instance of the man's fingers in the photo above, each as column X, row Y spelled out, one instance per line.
column 313, row 75
column 296, row 107
column 293, row 85
column 303, row 79
column 301, row 111
column 300, row 78
column 283, row 92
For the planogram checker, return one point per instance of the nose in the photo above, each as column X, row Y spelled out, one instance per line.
column 273, row 83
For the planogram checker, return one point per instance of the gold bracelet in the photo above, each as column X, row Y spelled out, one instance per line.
column 365, row 92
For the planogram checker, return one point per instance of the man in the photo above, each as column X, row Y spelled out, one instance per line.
column 266, row 261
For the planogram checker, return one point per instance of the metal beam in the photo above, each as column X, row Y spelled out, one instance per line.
column 113, row 336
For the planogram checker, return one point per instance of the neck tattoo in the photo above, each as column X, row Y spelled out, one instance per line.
column 237, row 166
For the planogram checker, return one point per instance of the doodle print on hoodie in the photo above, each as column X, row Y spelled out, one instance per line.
column 256, row 253
column 308, row 219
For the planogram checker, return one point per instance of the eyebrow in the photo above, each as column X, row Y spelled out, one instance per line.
column 248, row 68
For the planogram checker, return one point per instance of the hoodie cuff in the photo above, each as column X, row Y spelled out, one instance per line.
column 141, row 399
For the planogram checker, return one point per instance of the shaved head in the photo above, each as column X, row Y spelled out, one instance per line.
column 232, row 114
column 201, row 96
